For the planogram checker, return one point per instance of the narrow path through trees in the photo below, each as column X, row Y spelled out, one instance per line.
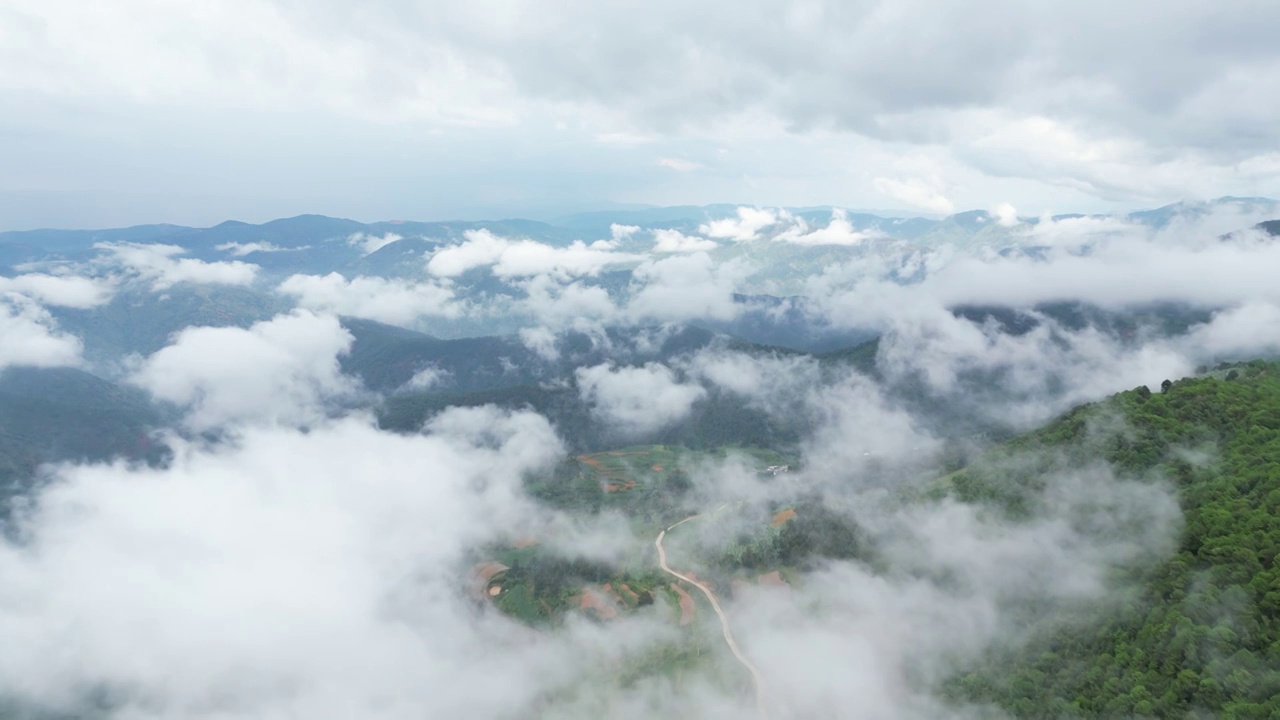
column 761, row 711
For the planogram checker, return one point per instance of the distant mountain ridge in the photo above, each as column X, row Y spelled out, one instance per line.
column 782, row 257
column 301, row 229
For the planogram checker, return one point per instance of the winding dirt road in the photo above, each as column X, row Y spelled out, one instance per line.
column 761, row 711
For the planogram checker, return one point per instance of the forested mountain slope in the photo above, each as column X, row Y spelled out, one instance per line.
column 386, row 357
column 1203, row 636
column 55, row 414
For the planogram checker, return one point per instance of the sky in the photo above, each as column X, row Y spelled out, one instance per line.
column 141, row 111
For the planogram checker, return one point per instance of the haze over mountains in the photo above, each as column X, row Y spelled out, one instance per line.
column 318, row 466
column 400, row 360
column 771, row 257
column 483, row 306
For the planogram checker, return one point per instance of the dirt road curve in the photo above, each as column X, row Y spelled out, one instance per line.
column 761, row 711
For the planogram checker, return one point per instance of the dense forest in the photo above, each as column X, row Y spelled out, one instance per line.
column 1202, row 639
column 64, row 414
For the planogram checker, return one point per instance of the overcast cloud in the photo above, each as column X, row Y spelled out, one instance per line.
column 395, row 109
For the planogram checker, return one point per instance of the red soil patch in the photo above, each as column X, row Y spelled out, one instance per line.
column 613, row 593
column 617, row 454
column 482, row 574
column 616, row 487
column 634, row 597
column 781, row 518
column 687, row 607
column 657, row 468
column 597, row 602
column 524, row 542
column 587, row 460
column 772, row 579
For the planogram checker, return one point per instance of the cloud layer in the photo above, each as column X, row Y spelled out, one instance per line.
column 283, row 370
column 293, row 558
column 310, row 572
column 31, row 336
column 160, row 265
column 1061, row 102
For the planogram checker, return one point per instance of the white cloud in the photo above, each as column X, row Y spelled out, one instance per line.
column 558, row 304
column 780, row 385
column 70, row 291
column 281, row 370
column 1242, row 332
column 1125, row 265
column 29, row 336
column 1006, row 215
column 853, row 421
column 395, row 301
column 637, row 400
column 674, row 241
column 679, row 164
column 622, row 232
column 481, row 248
column 1079, row 231
column 159, row 264
column 370, row 244
column 684, row 287
column 837, row 232
column 427, row 378
column 1059, row 153
column 1048, row 116
column 540, row 340
column 745, row 225
column 926, row 194
column 200, row 58
column 1042, row 372
column 524, row 258
column 285, row 572
column 624, row 139
column 527, row 258
column 1122, row 272
column 241, row 249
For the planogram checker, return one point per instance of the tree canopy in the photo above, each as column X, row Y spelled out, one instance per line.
column 1203, row 636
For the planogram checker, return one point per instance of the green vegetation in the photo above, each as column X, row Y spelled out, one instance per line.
column 721, row 419
column 798, row 537
column 648, row 484
column 385, row 357
column 134, row 322
column 1203, row 636
column 55, row 414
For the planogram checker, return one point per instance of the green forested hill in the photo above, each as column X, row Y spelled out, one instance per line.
column 385, row 357
column 1203, row 637
column 54, row 414
column 720, row 419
